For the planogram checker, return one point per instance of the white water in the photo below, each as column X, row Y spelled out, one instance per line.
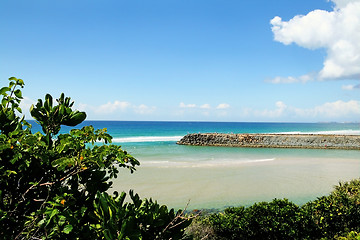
column 147, row 139
column 334, row 132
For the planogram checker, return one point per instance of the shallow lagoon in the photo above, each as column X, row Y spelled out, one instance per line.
column 217, row 177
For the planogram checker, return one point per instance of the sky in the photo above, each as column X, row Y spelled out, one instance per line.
column 188, row 60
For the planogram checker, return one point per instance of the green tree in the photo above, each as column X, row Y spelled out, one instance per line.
column 54, row 186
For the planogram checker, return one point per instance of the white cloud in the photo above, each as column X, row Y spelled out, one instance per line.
column 111, row 107
column 332, row 110
column 143, row 109
column 275, row 113
column 204, row 110
column 341, row 3
column 116, row 107
column 337, row 31
column 301, row 79
column 326, row 112
column 25, row 105
column 223, row 106
column 183, row 105
column 350, row 87
column 205, row 106
column 82, row 106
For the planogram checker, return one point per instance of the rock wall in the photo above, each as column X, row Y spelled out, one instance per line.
column 273, row 140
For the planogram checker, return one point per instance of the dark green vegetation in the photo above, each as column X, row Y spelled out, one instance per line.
column 336, row 216
column 55, row 186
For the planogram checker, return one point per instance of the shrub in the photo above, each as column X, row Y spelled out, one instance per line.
column 278, row 219
column 54, row 186
column 350, row 236
column 338, row 213
column 328, row 217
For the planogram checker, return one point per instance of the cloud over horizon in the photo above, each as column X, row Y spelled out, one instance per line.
column 336, row 31
column 204, row 106
column 117, row 106
column 204, row 110
column 329, row 111
column 223, row 106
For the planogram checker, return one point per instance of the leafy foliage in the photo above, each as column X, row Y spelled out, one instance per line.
column 54, row 186
column 52, row 117
column 141, row 219
column 337, row 213
column 328, row 217
column 350, row 236
column 11, row 98
column 274, row 220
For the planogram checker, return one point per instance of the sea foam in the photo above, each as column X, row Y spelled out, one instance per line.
column 148, row 139
column 332, row 132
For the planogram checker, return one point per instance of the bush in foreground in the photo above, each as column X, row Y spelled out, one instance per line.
column 334, row 216
column 54, row 186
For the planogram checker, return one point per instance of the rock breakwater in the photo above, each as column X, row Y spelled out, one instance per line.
column 273, row 140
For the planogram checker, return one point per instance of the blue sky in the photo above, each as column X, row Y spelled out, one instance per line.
column 182, row 60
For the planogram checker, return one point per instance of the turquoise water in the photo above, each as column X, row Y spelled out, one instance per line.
column 216, row 177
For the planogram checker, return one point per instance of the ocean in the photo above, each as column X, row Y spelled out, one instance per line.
column 219, row 177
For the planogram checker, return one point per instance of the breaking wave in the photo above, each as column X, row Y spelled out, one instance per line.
column 332, row 132
column 147, row 139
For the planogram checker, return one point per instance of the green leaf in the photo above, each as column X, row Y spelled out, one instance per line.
column 11, row 84
column 4, row 101
column 62, row 220
column 4, row 90
column 18, row 93
column 9, row 172
column 52, row 214
column 104, row 206
column 68, row 229
column 19, row 109
column 41, row 222
column 20, row 82
column 76, row 118
column 48, row 102
column 63, row 162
